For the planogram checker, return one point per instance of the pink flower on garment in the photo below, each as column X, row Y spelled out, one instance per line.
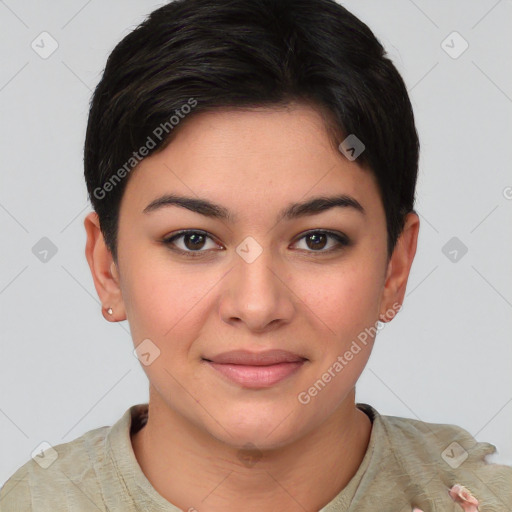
column 459, row 494
column 464, row 498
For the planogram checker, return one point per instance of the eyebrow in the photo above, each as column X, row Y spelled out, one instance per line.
column 292, row 211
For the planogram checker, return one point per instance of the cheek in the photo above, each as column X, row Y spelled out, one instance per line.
column 163, row 301
column 348, row 307
column 346, row 299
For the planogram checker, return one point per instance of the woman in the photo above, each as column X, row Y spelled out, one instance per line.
column 252, row 167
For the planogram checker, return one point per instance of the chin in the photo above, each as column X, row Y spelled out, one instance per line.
column 268, row 433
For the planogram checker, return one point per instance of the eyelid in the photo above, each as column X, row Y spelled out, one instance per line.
column 342, row 242
column 340, row 236
column 168, row 240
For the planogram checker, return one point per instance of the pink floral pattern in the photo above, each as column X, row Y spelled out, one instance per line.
column 460, row 495
column 464, row 498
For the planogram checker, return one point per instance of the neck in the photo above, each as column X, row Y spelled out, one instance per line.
column 190, row 468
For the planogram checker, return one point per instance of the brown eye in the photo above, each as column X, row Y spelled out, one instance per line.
column 191, row 243
column 194, row 241
column 316, row 241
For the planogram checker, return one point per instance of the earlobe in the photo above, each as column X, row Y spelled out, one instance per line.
column 103, row 269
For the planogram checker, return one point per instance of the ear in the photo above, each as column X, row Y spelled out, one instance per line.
column 399, row 267
column 104, row 270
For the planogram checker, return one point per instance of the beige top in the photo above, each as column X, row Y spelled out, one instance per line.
column 408, row 463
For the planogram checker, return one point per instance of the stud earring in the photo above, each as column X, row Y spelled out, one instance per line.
column 109, row 311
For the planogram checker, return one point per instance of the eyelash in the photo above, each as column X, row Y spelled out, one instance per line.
column 342, row 240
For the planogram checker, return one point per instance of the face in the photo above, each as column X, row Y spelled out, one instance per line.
column 198, row 285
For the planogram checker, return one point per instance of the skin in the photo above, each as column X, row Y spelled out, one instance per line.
column 294, row 296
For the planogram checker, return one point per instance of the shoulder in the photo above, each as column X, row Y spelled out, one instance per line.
column 439, row 456
column 45, row 482
column 449, row 443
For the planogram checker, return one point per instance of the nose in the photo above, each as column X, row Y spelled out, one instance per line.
column 258, row 292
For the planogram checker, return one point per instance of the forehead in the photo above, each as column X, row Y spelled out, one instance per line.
column 246, row 157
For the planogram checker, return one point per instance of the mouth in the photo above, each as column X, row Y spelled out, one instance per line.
column 256, row 369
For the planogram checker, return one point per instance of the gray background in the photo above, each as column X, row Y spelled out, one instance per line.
column 446, row 358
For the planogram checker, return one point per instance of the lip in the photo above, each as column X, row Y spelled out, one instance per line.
column 256, row 369
column 246, row 357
